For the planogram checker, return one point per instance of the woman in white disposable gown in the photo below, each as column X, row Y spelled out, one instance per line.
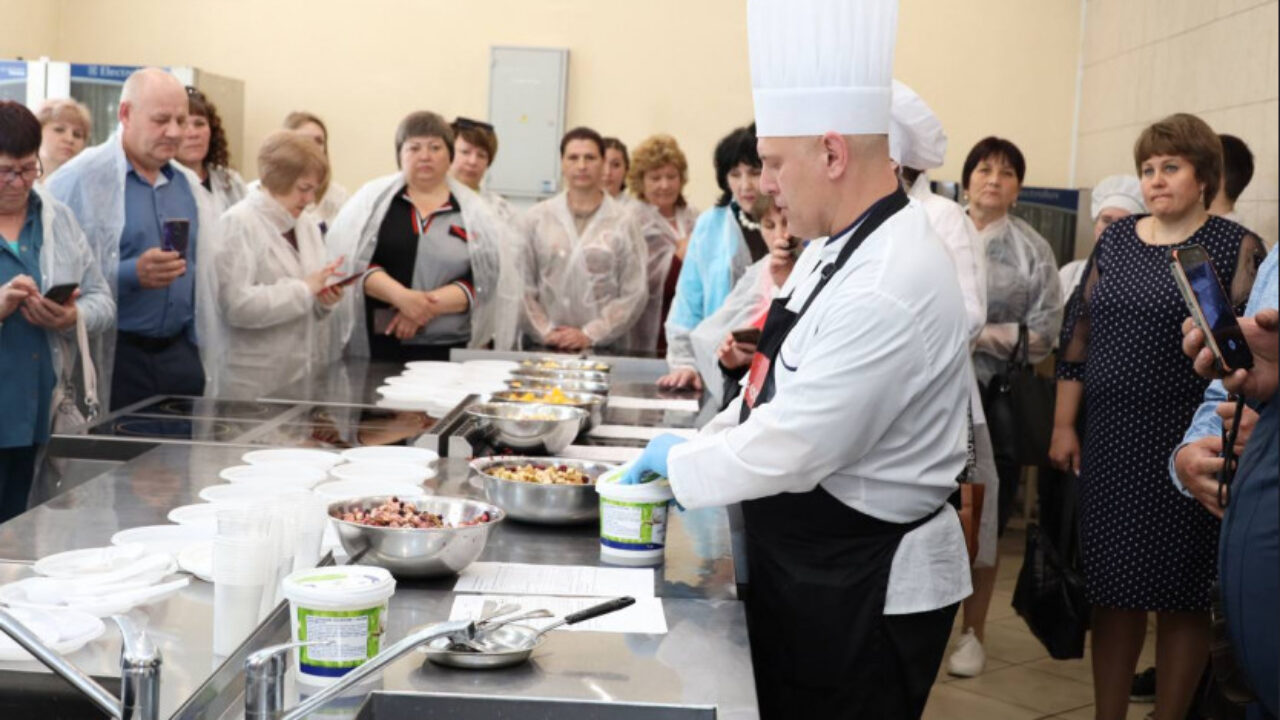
column 1022, row 290
column 475, row 145
column 331, row 196
column 658, row 174
column 438, row 262
column 204, row 150
column 725, row 240
column 617, row 163
column 584, row 257
column 271, row 272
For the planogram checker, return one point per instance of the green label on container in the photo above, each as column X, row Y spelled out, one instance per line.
column 633, row 523
column 356, row 636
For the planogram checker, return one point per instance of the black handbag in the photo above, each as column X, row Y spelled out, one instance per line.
column 1050, row 592
column 1019, row 407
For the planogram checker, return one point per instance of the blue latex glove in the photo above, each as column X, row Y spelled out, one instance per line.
column 653, row 459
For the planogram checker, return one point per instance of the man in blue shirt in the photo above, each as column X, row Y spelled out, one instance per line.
column 155, row 279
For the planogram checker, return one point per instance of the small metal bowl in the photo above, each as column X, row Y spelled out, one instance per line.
column 530, row 426
column 593, row 404
column 410, row 552
column 524, row 384
column 512, row 645
column 561, row 375
column 551, row 362
column 544, row 504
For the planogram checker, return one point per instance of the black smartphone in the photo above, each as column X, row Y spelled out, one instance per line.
column 343, row 282
column 176, row 237
column 61, row 293
column 749, row 335
column 1210, row 308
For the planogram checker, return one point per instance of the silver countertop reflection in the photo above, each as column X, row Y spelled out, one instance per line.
column 703, row 660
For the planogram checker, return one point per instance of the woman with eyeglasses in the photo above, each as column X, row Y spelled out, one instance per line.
column 48, row 280
column 204, row 149
column 475, row 145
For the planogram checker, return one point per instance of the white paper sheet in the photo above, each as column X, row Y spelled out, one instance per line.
column 634, row 403
column 571, row 580
column 646, row 616
column 637, row 432
column 602, row 453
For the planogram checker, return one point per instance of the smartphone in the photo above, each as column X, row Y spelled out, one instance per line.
column 343, row 282
column 176, row 236
column 1210, row 308
column 749, row 335
column 61, row 293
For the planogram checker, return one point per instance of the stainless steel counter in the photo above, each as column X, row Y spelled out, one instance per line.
column 703, row 660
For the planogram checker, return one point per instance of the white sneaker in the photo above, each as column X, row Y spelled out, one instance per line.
column 968, row 659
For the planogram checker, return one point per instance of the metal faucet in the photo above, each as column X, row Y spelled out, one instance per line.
column 264, row 672
column 139, row 669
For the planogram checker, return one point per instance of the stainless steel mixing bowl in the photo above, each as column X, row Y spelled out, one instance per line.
column 410, row 552
column 537, row 503
column 524, row 384
column 530, row 426
column 593, row 404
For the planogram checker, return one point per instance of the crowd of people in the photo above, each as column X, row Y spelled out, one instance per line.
column 186, row 280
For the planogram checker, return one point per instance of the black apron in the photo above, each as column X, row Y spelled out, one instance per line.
column 819, row 569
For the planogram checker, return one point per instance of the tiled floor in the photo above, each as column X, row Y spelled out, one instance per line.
column 1021, row 681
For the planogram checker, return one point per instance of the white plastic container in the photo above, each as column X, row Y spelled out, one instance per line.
column 346, row 604
column 633, row 519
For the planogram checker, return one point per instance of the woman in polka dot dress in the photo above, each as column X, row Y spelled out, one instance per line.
column 1146, row 547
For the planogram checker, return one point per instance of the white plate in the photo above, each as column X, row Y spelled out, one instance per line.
column 198, row 560
column 169, row 539
column 89, row 562
column 298, row 476
column 395, row 471
column 195, row 514
column 392, row 453
column 246, row 492
column 338, row 490
column 293, row 456
column 494, row 367
column 66, row 631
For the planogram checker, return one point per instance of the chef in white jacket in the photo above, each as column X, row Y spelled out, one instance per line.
column 271, row 274
column 852, row 428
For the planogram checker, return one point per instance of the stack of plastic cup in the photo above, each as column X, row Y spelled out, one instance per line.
column 243, row 564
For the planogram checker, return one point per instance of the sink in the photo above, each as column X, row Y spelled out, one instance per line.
column 393, row 706
column 45, row 695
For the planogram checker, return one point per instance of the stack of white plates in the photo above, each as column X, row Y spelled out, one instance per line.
column 293, row 456
column 278, row 474
column 410, row 473
column 392, row 453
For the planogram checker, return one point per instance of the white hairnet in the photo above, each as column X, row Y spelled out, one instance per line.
column 916, row 138
column 1118, row 191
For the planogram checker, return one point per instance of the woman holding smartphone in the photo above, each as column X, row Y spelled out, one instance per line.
column 272, row 276
column 1146, row 547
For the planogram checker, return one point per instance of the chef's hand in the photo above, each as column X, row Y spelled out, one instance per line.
column 1196, row 465
column 653, row 459
column 1227, row 411
column 1064, row 449
column 43, row 312
column 733, row 354
column 159, row 268
column 14, row 292
column 681, row 378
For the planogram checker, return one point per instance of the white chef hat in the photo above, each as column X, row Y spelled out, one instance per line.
column 821, row 65
column 1118, row 191
column 916, row 138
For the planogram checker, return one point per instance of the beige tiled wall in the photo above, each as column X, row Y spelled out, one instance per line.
column 1144, row 59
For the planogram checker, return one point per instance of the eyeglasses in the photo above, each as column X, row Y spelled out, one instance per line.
column 28, row 173
column 468, row 124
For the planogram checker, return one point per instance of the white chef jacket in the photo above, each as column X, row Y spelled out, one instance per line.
column 871, row 403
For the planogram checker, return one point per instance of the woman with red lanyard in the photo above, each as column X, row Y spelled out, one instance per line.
column 852, row 428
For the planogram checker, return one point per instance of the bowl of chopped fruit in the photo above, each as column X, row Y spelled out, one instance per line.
column 593, row 404
column 427, row 537
column 550, row 491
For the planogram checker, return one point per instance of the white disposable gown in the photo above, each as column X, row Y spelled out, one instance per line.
column 494, row 250
column 273, row 323
column 661, row 237
column 92, row 185
column 227, row 189
column 595, row 282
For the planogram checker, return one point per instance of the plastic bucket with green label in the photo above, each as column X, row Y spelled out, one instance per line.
column 633, row 519
column 346, row 605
